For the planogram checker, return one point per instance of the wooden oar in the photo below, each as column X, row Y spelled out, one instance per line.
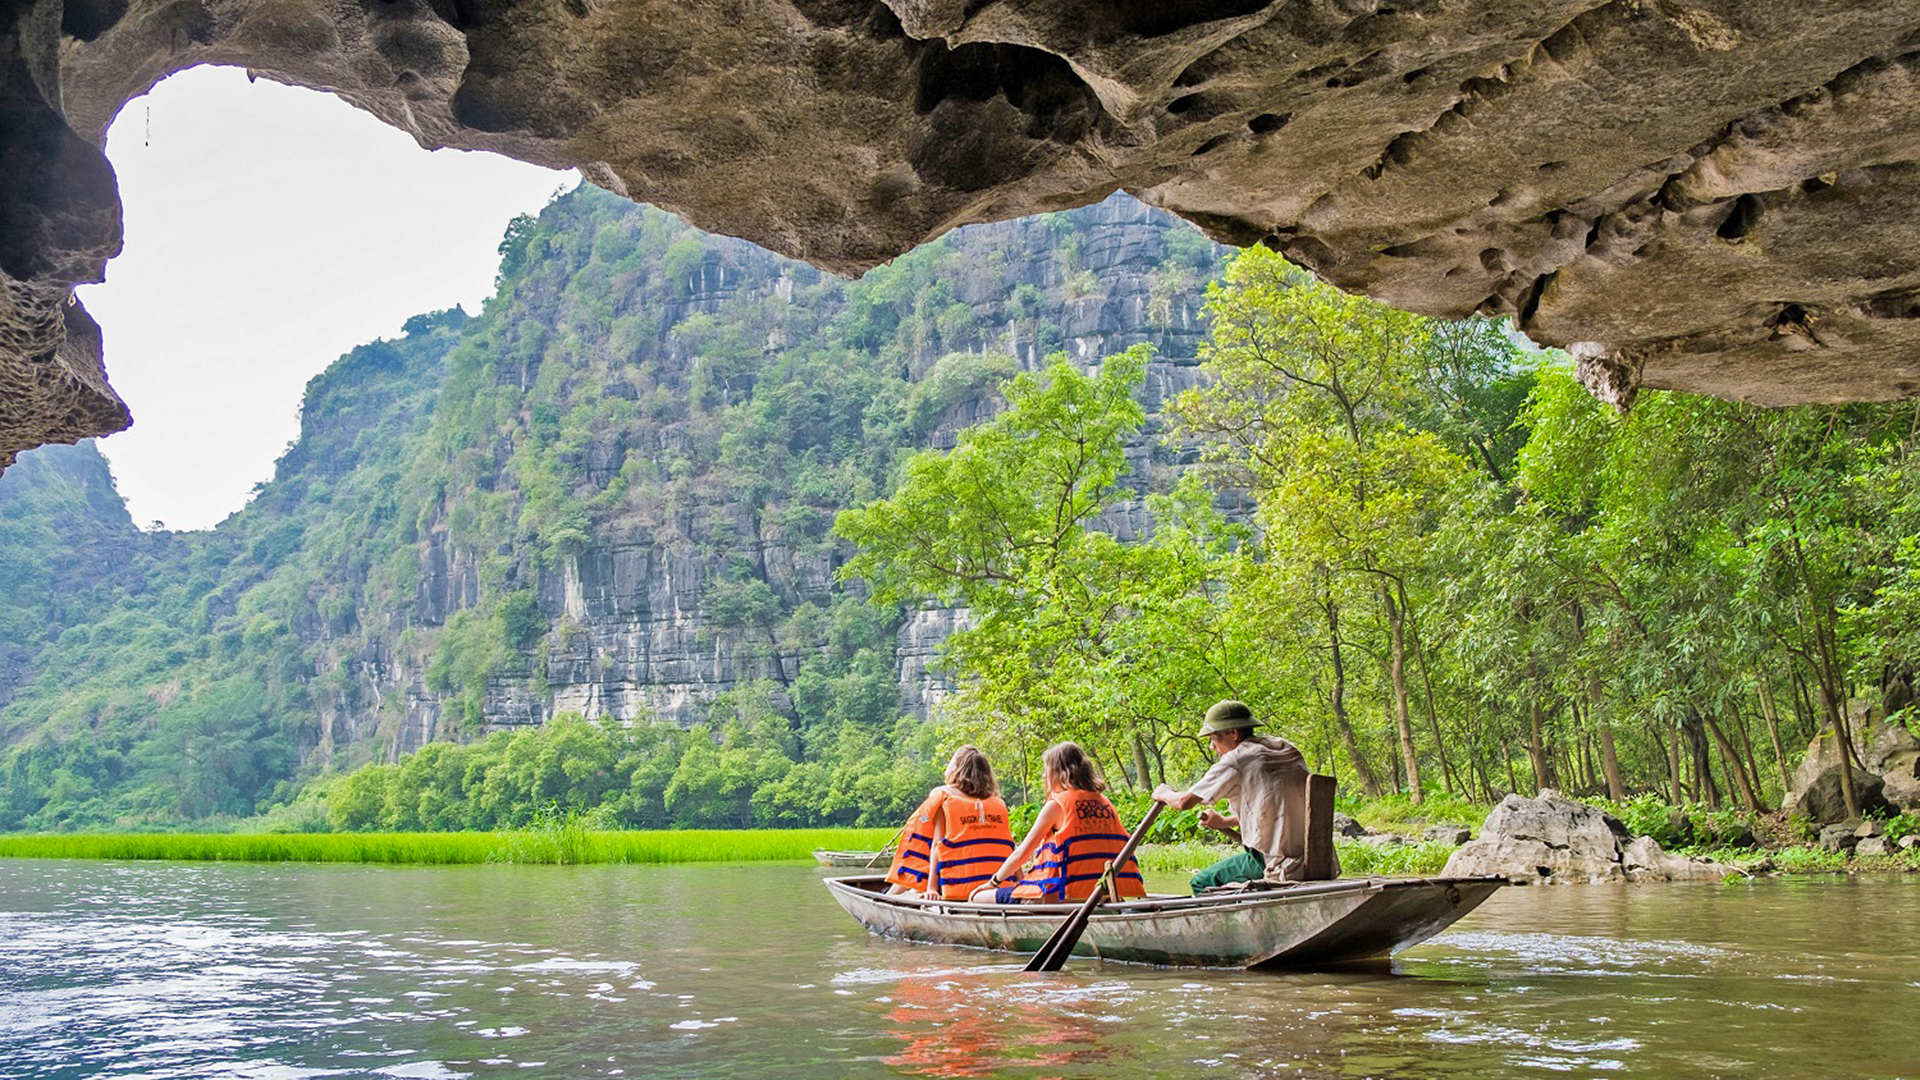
column 883, row 848
column 1054, row 953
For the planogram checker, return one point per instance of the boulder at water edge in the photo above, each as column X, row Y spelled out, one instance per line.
column 1888, row 783
column 1838, row 837
column 1546, row 839
column 1823, row 801
column 1552, row 839
column 1645, row 860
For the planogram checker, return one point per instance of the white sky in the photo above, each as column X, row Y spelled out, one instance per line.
column 268, row 231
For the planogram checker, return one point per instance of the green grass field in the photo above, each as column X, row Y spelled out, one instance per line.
column 557, row 844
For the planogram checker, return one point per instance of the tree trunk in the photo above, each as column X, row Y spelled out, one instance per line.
column 1748, row 760
column 1142, row 777
column 1583, row 738
column 1695, row 726
column 1475, row 759
column 1842, row 725
column 1361, row 772
column 1610, row 761
column 1397, row 672
column 1803, row 710
column 1670, row 751
column 1447, row 773
column 1732, row 758
column 1829, row 679
column 1773, row 732
column 1586, row 761
column 1536, row 744
column 1506, row 752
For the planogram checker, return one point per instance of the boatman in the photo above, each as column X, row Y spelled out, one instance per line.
column 1264, row 780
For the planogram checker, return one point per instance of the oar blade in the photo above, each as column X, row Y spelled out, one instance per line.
column 1054, row 953
column 1060, row 945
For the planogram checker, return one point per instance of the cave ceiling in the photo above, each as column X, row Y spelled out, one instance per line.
column 1709, row 195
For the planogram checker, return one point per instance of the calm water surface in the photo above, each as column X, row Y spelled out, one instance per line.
column 284, row 971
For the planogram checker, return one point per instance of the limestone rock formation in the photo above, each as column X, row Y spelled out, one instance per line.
column 639, row 639
column 1645, row 860
column 1713, row 195
column 1894, row 754
column 1550, row 839
column 1546, row 839
column 1888, row 782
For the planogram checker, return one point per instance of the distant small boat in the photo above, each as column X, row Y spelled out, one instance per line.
column 1322, row 922
column 854, row 858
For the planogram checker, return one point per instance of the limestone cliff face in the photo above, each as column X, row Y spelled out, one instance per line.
column 1711, row 195
column 630, row 628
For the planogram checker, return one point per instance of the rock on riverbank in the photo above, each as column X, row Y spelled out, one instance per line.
column 1551, row 839
column 1886, row 780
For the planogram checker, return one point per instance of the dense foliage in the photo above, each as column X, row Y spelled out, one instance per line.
column 645, row 776
column 1463, row 574
column 179, row 682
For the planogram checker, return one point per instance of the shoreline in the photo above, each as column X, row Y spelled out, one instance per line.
column 1428, row 860
column 572, row 844
column 560, row 845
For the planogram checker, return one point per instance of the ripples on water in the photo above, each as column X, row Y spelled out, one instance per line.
column 271, row 972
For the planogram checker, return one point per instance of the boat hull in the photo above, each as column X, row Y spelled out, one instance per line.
column 1327, row 922
column 854, row 859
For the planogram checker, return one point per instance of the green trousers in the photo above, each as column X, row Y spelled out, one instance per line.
column 1244, row 865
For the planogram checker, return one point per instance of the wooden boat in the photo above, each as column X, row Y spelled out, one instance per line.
column 1323, row 922
column 854, row 859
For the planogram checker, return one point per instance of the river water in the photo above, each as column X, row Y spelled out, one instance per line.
column 294, row 971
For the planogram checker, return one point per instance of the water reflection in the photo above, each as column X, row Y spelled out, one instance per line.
column 968, row 1022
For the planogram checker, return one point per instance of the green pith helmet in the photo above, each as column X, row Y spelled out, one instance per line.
column 1228, row 716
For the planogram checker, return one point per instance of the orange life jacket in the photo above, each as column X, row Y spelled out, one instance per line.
column 909, row 867
column 975, row 841
column 1089, row 837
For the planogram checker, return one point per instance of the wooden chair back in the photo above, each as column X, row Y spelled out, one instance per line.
column 1320, row 857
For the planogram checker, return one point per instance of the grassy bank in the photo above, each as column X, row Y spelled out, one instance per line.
column 1809, row 860
column 556, row 844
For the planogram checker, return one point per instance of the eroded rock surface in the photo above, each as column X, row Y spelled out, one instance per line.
column 1713, row 195
column 1886, row 779
column 1645, row 860
column 1551, row 839
column 1548, row 838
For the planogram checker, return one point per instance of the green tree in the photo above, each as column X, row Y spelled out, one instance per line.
column 1314, row 406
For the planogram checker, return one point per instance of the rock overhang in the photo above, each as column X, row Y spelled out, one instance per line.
column 1714, row 196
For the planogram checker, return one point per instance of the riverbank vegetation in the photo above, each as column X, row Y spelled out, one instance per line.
column 561, row 839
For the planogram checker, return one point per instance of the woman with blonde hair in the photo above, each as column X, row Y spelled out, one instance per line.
column 958, row 835
column 1078, row 834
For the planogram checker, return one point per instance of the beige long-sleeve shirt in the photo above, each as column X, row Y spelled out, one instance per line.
column 1264, row 779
